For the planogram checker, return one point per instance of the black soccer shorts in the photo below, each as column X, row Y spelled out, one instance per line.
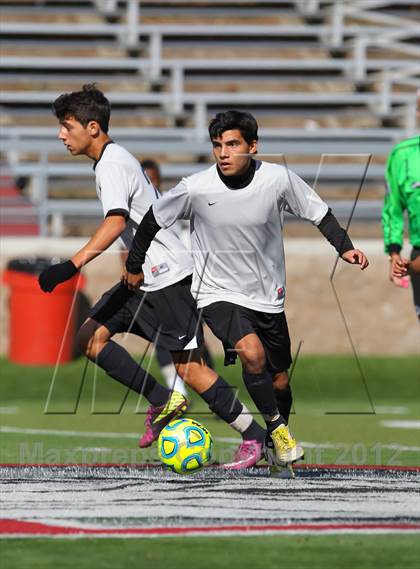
column 415, row 282
column 167, row 317
column 230, row 323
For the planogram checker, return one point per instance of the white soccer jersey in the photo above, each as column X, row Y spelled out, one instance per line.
column 236, row 234
column 122, row 186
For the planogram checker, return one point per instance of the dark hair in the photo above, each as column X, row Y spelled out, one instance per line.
column 86, row 105
column 150, row 165
column 231, row 120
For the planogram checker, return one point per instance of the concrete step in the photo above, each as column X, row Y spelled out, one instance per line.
column 241, row 51
column 270, row 86
column 50, row 49
column 353, row 118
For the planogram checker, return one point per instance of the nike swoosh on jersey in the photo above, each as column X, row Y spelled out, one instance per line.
column 211, row 203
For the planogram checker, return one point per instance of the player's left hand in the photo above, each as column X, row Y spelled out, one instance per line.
column 56, row 274
column 132, row 281
column 356, row 257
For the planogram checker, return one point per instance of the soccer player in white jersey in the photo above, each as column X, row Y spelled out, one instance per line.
column 163, row 356
column 236, row 210
column 163, row 311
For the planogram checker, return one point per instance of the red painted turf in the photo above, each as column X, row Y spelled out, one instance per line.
column 10, row 527
column 17, row 527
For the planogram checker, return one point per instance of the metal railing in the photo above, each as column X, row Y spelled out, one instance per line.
column 392, row 30
column 175, row 103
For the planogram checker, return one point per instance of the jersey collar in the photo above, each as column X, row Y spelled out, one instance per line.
column 102, row 151
column 239, row 182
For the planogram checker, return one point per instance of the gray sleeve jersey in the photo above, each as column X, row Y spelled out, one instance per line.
column 236, row 234
column 122, row 186
column 300, row 199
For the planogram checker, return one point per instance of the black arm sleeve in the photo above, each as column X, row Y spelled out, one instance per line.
column 145, row 234
column 122, row 212
column 394, row 248
column 336, row 235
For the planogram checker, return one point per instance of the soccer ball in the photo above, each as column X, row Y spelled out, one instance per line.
column 184, row 446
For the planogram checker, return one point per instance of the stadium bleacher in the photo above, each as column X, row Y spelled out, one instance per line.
column 326, row 77
column 18, row 216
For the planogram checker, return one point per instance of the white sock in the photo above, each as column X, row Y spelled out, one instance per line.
column 243, row 420
column 173, row 380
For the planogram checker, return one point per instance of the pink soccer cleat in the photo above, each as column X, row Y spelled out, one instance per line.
column 159, row 417
column 247, row 455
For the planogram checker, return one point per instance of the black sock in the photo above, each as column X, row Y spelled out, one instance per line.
column 260, row 387
column 284, row 402
column 221, row 399
column 254, row 432
column 118, row 364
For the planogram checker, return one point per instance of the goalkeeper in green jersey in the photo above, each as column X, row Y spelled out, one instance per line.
column 403, row 194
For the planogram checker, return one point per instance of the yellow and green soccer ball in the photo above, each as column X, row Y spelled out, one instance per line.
column 184, row 446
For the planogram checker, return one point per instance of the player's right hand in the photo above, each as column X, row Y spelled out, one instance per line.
column 356, row 257
column 132, row 281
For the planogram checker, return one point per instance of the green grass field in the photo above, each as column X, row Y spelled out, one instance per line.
column 339, row 412
column 297, row 552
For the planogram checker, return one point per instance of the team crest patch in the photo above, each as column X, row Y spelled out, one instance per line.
column 280, row 292
column 159, row 269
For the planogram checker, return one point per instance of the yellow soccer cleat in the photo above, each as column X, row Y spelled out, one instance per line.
column 285, row 447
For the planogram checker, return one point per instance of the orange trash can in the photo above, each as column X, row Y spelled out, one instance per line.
column 42, row 325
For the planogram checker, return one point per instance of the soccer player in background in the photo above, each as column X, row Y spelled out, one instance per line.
column 236, row 211
column 403, row 194
column 163, row 356
column 163, row 310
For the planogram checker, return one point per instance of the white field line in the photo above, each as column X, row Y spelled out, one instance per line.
column 391, row 446
column 94, row 449
column 397, row 410
column 231, row 440
column 59, row 433
column 92, row 434
column 401, row 424
column 9, row 410
column 379, row 409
